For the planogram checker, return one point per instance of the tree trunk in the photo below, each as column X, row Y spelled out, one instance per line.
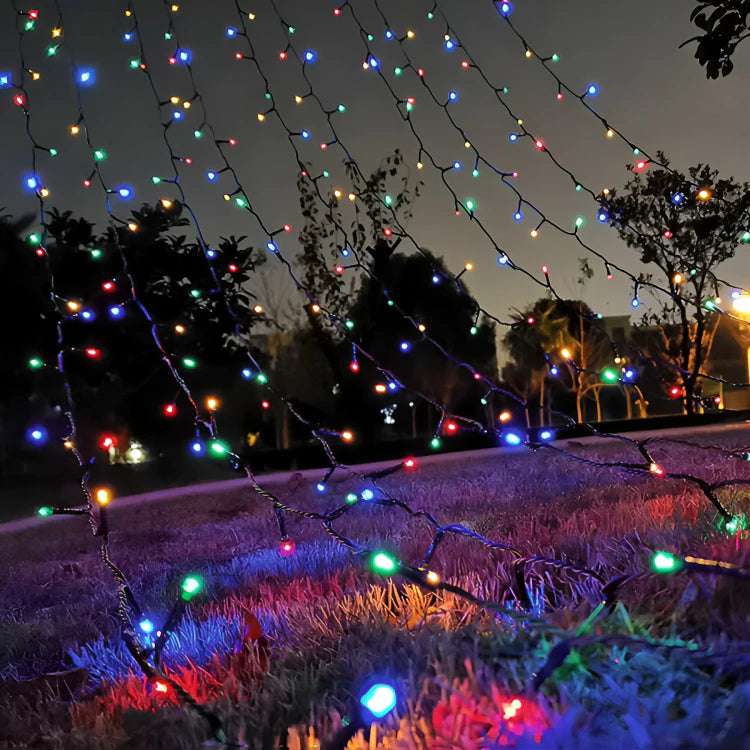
column 541, row 400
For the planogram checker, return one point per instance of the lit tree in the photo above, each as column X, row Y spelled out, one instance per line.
column 686, row 226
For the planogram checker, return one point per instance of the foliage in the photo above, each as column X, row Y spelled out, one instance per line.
column 449, row 316
column 534, row 342
column 724, row 24
column 129, row 383
column 660, row 214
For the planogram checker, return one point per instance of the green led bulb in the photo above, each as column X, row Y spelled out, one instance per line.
column 745, row 237
column 52, row 50
column 135, row 63
column 195, row 293
column 349, row 324
column 190, row 586
column 100, row 154
column 341, row 108
column 398, row 71
column 435, row 443
column 352, row 498
column 388, row 200
column 44, row 511
column 156, row 180
column 189, row 363
column 555, row 57
column 609, row 375
column 218, row 448
column 262, row 378
column 35, row 363
column 53, row 152
column 580, row 221
column 475, row 173
column 96, row 254
column 197, row 134
column 34, row 239
column 383, row 563
column 665, row 562
column 473, row 330
column 240, row 202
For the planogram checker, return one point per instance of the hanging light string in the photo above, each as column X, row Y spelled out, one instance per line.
column 480, row 159
column 638, row 280
column 452, row 528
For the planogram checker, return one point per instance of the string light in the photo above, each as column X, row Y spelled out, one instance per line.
column 192, row 586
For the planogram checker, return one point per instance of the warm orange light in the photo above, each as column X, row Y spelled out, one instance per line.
column 352, row 197
column 534, row 233
column 656, row 469
column 74, row 130
column 212, row 403
column 179, row 329
column 315, row 308
column 68, row 445
column 103, row 496
column 380, row 388
column 337, row 193
column 347, row 436
column 469, row 266
column 504, row 416
column 678, row 278
column 298, row 99
column 258, row 309
column 166, row 203
column 704, row 194
column 432, row 578
column 132, row 226
column 565, row 353
column 422, row 327
column 73, row 306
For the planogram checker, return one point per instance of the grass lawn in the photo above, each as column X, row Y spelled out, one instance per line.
column 668, row 667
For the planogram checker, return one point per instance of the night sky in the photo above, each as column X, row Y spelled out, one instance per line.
column 652, row 92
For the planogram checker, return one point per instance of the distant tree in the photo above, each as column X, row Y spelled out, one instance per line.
column 724, row 24
column 560, row 334
column 686, row 226
column 450, row 317
column 324, row 247
column 126, row 383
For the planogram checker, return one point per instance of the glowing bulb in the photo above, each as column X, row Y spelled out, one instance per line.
column 347, row 436
column 704, row 195
column 190, row 586
column 103, row 496
column 379, row 700
column 665, row 562
column 381, row 562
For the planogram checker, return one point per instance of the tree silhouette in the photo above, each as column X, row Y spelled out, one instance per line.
column 724, row 24
column 555, row 344
column 419, row 286
column 83, row 282
column 686, row 226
